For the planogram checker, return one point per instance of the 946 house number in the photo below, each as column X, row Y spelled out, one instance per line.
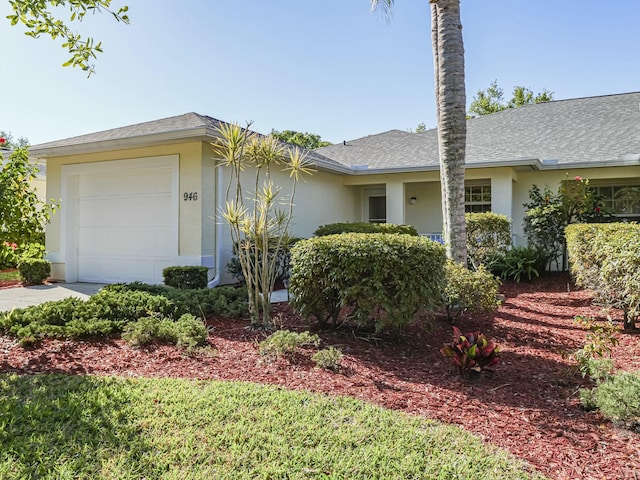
column 190, row 196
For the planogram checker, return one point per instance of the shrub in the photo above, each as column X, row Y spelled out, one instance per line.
column 220, row 301
column 471, row 352
column 606, row 259
column 468, row 291
column 188, row 332
column 364, row 227
column 383, row 279
column 617, row 398
column 31, row 250
column 488, row 235
column 284, row 343
column 187, row 277
column 34, row 270
column 517, row 263
column 328, row 358
column 8, row 255
column 600, row 342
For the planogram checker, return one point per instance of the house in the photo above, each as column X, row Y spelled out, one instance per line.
column 139, row 198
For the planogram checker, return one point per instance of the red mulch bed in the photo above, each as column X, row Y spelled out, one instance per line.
column 529, row 405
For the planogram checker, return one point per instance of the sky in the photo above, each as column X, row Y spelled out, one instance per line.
column 331, row 68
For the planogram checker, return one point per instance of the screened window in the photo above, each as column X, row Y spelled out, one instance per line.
column 621, row 200
column 377, row 209
column 477, row 198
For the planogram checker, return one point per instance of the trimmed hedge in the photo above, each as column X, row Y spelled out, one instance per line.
column 488, row 235
column 383, row 280
column 364, row 227
column 605, row 257
column 34, row 270
column 189, row 277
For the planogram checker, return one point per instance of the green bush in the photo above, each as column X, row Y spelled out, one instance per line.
column 188, row 332
column 488, row 235
column 383, row 280
column 186, row 277
column 517, row 263
column 227, row 302
column 114, row 307
column 34, row 270
column 284, row 343
column 328, row 358
column 364, row 227
column 617, row 398
column 31, row 250
column 606, row 258
column 469, row 291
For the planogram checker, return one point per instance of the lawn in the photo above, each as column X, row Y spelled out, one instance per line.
column 60, row 426
column 9, row 276
column 529, row 405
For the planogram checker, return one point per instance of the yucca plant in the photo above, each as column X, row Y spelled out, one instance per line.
column 471, row 353
column 259, row 222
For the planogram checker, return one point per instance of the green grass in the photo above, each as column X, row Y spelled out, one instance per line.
column 9, row 275
column 64, row 427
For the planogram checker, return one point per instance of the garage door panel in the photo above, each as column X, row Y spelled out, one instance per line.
column 127, row 225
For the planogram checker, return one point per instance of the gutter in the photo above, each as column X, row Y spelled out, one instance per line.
column 218, row 235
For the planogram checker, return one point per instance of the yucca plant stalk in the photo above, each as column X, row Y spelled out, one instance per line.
column 258, row 226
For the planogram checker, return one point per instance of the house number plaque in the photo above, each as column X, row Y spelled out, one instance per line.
column 190, row 196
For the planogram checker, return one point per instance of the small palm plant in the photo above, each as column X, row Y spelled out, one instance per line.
column 259, row 222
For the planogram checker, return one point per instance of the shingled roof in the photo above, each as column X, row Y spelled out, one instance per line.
column 597, row 131
column 181, row 128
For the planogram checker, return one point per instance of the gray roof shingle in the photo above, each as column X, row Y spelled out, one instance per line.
column 583, row 130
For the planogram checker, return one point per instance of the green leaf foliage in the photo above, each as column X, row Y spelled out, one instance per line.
column 284, row 343
column 488, row 234
column 606, row 258
column 301, row 139
column 469, row 291
column 617, row 398
column 188, row 331
column 364, row 227
column 518, row 264
column 328, row 358
column 41, row 17
column 380, row 280
column 34, row 270
column 23, row 216
column 114, row 307
column 187, row 277
column 491, row 100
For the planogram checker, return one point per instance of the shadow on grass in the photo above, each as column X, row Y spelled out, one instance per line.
column 61, row 426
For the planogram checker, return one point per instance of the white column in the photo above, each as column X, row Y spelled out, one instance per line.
column 395, row 202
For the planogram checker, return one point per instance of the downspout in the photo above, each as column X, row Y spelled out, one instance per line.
column 218, row 230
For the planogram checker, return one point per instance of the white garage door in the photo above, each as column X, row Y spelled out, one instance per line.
column 126, row 227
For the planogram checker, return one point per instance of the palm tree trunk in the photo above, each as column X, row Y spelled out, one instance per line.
column 448, row 54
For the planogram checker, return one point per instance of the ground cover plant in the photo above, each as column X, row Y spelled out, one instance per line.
column 529, row 404
column 173, row 429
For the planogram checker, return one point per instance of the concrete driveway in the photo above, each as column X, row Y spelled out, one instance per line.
column 21, row 297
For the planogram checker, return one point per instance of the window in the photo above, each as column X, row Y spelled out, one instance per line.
column 621, row 200
column 377, row 209
column 477, row 198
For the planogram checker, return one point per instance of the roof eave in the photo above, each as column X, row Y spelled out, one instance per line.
column 202, row 133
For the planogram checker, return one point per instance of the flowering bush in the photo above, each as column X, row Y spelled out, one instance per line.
column 8, row 256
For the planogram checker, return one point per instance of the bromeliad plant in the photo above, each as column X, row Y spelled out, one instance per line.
column 259, row 222
column 471, row 352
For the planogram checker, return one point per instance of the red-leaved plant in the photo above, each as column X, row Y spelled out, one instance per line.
column 471, row 352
